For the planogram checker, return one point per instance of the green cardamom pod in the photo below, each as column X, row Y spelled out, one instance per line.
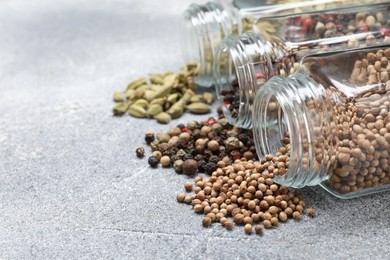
column 130, row 94
column 154, row 109
column 176, row 110
column 137, row 111
column 136, row 83
column 120, row 109
column 199, row 108
column 209, row 97
column 118, row 96
column 197, row 98
column 191, row 65
column 163, row 118
column 159, row 101
column 156, row 79
column 142, row 102
column 172, row 98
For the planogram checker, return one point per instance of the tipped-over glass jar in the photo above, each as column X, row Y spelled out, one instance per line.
column 204, row 26
column 244, row 63
column 329, row 124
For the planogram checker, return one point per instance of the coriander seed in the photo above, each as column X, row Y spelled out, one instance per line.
column 258, row 229
column 296, row 215
column 248, row 229
column 180, row 197
column 206, row 221
column 310, row 212
column 188, row 186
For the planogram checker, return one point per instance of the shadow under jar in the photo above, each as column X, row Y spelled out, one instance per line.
column 243, row 64
column 203, row 26
column 329, row 124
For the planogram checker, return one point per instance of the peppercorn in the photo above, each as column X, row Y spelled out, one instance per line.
column 190, row 166
column 153, row 161
column 165, row 161
column 149, row 137
column 140, row 152
column 210, row 167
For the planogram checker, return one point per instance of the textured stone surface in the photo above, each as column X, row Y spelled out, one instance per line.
column 70, row 184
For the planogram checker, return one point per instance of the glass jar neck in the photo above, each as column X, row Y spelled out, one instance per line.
column 243, row 64
column 203, row 27
column 294, row 113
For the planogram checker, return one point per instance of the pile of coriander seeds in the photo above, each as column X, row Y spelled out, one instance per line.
column 363, row 152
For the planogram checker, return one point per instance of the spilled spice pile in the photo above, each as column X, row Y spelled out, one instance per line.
column 199, row 146
column 243, row 193
column 163, row 96
column 240, row 190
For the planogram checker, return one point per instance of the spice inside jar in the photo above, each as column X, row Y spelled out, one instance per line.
column 333, row 118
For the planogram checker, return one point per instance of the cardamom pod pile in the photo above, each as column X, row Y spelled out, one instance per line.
column 163, row 96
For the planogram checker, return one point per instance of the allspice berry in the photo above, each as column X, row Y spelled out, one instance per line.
column 190, row 166
column 140, row 152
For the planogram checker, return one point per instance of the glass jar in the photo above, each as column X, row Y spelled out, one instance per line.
column 244, row 63
column 204, row 26
column 329, row 124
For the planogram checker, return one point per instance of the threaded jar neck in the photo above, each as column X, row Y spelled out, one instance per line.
column 295, row 105
column 242, row 65
column 203, row 27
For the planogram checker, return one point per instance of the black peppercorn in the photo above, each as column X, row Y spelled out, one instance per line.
column 140, row 152
column 188, row 156
column 181, row 126
column 153, row 161
column 198, row 157
column 201, row 165
column 243, row 138
column 214, row 158
column 149, row 137
column 210, row 167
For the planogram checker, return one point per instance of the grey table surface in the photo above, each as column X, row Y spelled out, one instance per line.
column 70, row 185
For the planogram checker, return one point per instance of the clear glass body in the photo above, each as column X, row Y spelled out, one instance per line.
column 245, row 63
column 204, row 26
column 332, row 120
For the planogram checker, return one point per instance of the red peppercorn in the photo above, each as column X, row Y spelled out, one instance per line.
column 211, row 120
column 384, row 31
column 184, row 129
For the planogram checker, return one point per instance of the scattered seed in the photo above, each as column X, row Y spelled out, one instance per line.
column 140, row 152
